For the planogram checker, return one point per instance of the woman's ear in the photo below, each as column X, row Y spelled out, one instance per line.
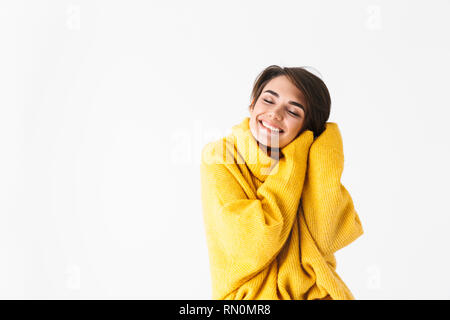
column 251, row 106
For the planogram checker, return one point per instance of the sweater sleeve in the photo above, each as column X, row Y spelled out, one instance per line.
column 327, row 206
column 245, row 234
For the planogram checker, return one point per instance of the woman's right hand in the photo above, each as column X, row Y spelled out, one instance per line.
column 298, row 148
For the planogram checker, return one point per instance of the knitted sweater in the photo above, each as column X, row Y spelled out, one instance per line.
column 273, row 226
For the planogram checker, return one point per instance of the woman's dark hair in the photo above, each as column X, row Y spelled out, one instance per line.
column 318, row 101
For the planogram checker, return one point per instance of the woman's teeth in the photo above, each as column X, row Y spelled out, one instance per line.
column 267, row 126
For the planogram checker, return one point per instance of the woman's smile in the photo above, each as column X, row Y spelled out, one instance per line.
column 269, row 130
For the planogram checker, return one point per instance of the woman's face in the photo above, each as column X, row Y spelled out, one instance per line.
column 280, row 104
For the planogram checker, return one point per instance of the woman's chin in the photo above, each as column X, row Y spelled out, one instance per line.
column 268, row 141
column 268, row 144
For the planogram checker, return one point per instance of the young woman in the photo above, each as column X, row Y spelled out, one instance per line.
column 274, row 208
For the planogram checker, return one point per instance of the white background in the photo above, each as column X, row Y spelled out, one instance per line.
column 105, row 107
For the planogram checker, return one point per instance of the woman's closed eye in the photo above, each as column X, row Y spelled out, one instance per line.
column 291, row 112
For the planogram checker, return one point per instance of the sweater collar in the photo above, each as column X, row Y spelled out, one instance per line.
column 256, row 159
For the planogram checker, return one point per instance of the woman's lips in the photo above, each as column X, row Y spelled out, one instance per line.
column 267, row 129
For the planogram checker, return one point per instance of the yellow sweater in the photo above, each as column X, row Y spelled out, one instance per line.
column 273, row 226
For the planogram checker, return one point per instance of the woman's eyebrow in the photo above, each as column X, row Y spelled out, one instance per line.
column 291, row 102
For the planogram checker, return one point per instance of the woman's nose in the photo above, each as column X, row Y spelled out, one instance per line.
column 276, row 113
